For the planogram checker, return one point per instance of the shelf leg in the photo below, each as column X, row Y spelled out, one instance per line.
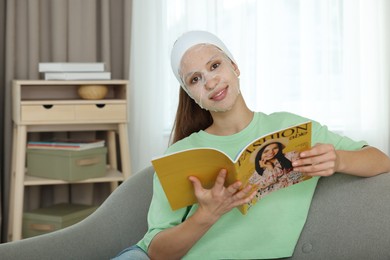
column 125, row 150
column 12, row 185
column 16, row 203
column 112, row 156
column 111, row 145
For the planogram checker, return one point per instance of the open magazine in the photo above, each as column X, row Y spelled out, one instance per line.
column 265, row 163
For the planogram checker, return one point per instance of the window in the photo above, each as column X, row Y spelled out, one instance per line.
column 289, row 51
column 323, row 59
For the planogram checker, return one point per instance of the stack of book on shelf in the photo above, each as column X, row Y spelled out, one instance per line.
column 74, row 71
column 67, row 144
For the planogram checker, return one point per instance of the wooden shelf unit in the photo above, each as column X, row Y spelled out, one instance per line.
column 54, row 106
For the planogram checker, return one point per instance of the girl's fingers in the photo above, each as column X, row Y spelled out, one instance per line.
column 233, row 188
column 319, row 169
column 221, row 197
column 243, row 198
column 196, row 184
column 243, row 193
column 220, row 181
column 320, row 160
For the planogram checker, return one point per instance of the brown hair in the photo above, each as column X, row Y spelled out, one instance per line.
column 190, row 118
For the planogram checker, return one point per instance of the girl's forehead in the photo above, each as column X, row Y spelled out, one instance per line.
column 270, row 146
column 199, row 55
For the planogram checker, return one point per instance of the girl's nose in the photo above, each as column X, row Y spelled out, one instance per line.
column 211, row 82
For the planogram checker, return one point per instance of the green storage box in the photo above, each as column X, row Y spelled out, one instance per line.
column 67, row 165
column 45, row 220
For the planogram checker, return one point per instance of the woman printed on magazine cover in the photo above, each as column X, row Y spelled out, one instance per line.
column 212, row 113
column 274, row 169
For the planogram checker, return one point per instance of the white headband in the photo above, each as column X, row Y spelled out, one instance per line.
column 189, row 39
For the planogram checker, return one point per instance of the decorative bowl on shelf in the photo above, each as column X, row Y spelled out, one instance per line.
column 92, row 91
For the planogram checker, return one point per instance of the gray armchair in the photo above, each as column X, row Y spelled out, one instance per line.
column 349, row 219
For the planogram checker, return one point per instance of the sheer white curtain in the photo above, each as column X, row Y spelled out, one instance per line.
column 147, row 83
column 324, row 59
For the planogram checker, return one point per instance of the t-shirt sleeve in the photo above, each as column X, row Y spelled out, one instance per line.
column 321, row 134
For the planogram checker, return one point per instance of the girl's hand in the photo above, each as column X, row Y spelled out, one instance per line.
column 219, row 199
column 265, row 164
column 320, row 160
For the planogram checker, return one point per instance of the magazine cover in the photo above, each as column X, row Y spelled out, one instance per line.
column 265, row 164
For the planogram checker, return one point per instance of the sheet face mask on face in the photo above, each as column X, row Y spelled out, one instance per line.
column 210, row 78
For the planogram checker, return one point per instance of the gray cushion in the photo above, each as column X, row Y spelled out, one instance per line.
column 348, row 219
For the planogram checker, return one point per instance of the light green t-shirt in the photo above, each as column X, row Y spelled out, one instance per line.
column 272, row 227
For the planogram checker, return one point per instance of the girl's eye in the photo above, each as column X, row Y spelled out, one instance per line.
column 195, row 80
column 214, row 66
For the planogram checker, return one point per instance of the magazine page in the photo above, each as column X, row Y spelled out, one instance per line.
column 174, row 169
column 267, row 162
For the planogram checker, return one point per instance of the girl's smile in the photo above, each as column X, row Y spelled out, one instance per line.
column 220, row 95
